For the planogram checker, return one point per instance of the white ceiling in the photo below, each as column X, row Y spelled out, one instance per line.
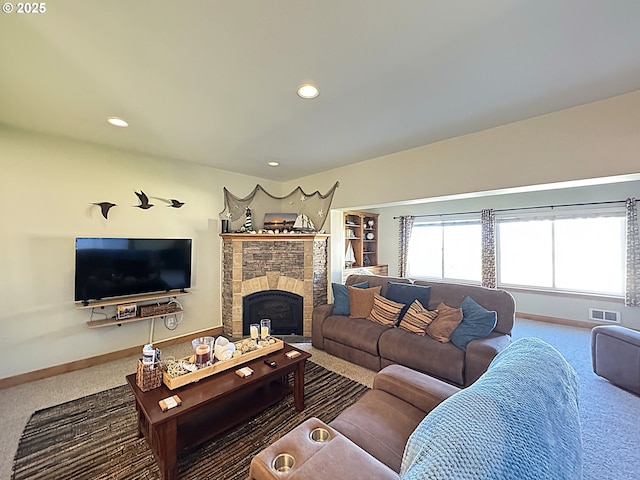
column 213, row 82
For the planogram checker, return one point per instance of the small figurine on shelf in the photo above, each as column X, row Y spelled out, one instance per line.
column 248, row 226
column 350, row 257
column 247, row 223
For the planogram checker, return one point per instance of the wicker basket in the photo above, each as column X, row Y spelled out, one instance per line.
column 160, row 309
column 149, row 378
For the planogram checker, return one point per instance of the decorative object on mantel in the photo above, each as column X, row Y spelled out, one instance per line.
column 281, row 221
column 144, row 201
column 311, row 209
column 247, row 220
column 105, row 207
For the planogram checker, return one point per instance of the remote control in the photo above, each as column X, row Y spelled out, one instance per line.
column 271, row 363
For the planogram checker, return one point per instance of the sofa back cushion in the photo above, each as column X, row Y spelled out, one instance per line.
column 500, row 301
column 375, row 281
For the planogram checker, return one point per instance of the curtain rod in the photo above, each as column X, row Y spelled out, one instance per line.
column 518, row 208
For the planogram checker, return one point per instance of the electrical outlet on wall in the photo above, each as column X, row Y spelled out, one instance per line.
column 170, row 322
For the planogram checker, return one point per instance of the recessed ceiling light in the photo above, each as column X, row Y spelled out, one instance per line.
column 117, row 122
column 273, row 164
column 308, row 91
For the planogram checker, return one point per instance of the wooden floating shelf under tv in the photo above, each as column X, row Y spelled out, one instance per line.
column 105, row 322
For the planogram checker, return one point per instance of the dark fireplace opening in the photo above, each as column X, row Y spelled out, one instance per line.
column 283, row 308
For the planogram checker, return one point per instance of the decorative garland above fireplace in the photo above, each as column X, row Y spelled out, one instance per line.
column 313, row 207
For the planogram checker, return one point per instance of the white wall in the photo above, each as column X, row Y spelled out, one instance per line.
column 599, row 139
column 593, row 141
column 48, row 186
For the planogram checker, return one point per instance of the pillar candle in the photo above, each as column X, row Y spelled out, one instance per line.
column 253, row 329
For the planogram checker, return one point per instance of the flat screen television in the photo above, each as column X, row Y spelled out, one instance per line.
column 115, row 267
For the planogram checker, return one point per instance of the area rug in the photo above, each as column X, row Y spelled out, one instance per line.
column 94, row 437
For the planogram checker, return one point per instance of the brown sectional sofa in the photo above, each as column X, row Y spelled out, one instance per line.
column 372, row 433
column 519, row 420
column 375, row 346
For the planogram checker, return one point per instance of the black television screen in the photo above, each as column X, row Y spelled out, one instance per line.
column 114, row 267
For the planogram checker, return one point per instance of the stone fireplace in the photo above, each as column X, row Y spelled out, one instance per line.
column 252, row 263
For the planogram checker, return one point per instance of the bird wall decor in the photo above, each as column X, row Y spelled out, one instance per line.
column 105, row 207
column 171, row 202
column 144, row 201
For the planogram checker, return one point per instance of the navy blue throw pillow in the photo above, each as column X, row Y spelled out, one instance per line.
column 406, row 293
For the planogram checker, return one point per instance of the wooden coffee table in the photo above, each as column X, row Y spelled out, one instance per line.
column 214, row 404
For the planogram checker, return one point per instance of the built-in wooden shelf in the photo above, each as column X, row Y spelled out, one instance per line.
column 358, row 227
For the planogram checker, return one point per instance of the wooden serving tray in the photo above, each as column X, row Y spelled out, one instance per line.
column 219, row 366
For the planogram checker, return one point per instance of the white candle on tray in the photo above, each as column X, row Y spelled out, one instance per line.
column 253, row 330
column 265, row 328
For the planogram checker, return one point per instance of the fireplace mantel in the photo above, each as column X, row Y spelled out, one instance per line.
column 273, row 236
column 253, row 262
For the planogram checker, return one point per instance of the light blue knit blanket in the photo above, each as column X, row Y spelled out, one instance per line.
column 518, row 421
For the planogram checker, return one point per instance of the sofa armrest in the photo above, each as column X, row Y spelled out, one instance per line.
column 480, row 353
column 319, row 315
column 416, row 388
column 337, row 457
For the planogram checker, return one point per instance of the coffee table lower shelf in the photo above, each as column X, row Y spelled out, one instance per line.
column 229, row 412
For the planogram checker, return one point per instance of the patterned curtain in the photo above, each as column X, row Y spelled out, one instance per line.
column 632, row 292
column 488, row 220
column 406, row 223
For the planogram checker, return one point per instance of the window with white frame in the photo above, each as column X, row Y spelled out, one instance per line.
column 581, row 252
column 565, row 254
column 445, row 250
